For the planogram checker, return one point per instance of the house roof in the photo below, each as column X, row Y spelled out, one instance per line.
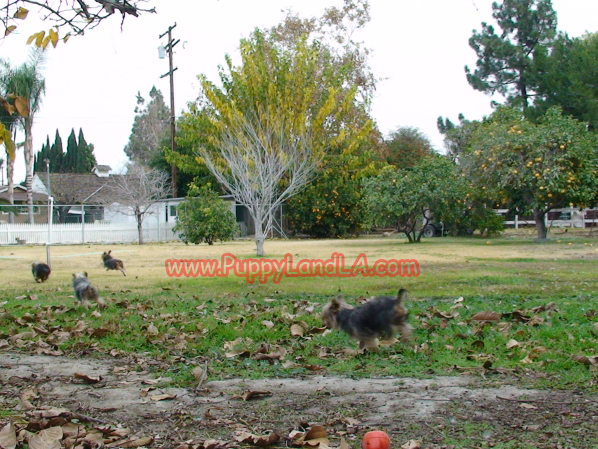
column 103, row 167
column 20, row 195
column 77, row 188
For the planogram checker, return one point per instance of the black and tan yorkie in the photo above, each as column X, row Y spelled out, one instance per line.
column 379, row 318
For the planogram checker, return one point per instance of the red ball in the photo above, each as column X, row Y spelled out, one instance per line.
column 375, row 440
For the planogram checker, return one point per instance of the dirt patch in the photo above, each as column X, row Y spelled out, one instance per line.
column 439, row 411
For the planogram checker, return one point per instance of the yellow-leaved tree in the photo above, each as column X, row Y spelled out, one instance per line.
column 264, row 131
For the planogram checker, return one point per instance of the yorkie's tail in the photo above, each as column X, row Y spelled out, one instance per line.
column 402, row 296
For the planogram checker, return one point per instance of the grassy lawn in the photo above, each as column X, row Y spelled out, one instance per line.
column 543, row 297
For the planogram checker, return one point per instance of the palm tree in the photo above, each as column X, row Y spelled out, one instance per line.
column 26, row 81
column 8, row 121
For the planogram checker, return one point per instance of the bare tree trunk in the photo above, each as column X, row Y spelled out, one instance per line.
column 139, row 218
column 260, row 236
column 540, row 224
column 10, row 173
column 29, row 166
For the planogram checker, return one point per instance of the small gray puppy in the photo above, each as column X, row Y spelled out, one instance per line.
column 85, row 292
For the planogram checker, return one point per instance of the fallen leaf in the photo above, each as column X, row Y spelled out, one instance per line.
column 586, row 360
column 512, row 344
column 535, row 321
column 527, row 406
column 313, row 367
column 8, row 437
column 412, row 444
column 486, row 315
column 297, row 330
column 257, row 440
column 434, row 312
column 269, row 324
column 52, row 434
column 344, row 444
column 549, row 306
column 163, row 397
column 39, row 442
column 268, row 353
column 135, row 443
column 252, row 395
column 71, row 429
column 315, row 432
column 88, row 380
column 49, row 412
column 200, row 374
column 237, row 353
column 535, row 352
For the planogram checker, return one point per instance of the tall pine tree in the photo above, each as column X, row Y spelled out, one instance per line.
column 86, row 160
column 506, row 60
column 39, row 164
column 79, row 157
column 151, row 125
column 71, row 156
column 56, row 154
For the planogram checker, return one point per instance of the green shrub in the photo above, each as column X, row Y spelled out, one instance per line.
column 205, row 218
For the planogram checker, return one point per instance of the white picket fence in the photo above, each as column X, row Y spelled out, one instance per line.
column 73, row 233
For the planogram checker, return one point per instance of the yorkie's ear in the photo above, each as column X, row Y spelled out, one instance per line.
column 337, row 303
column 402, row 296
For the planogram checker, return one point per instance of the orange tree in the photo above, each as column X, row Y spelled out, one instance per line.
column 533, row 167
column 407, row 199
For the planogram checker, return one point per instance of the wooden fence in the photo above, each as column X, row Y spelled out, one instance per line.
column 73, row 233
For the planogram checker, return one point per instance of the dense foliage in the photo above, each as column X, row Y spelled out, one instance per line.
column 205, row 217
column 533, row 168
column 432, row 190
column 568, row 78
column 328, row 207
column 405, row 146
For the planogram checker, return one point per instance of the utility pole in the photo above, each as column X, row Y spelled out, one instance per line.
column 50, row 214
column 168, row 47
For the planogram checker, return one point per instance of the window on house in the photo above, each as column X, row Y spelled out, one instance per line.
column 173, row 211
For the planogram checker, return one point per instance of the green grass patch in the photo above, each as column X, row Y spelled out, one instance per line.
column 546, row 309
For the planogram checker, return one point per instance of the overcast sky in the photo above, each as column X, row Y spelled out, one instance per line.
column 419, row 48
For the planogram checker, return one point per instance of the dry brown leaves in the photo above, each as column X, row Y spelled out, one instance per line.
column 52, row 428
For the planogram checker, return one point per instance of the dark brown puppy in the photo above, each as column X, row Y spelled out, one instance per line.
column 41, row 271
column 380, row 317
column 113, row 264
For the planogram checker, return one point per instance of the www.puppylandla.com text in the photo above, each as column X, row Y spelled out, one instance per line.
column 263, row 269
